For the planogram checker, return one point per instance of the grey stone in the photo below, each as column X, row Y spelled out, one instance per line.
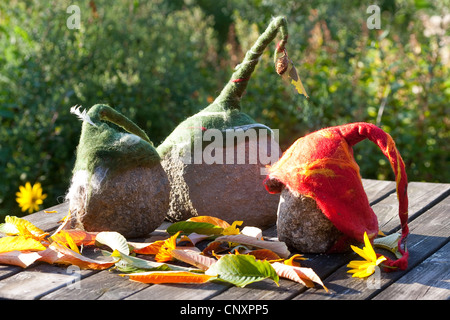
column 229, row 191
column 303, row 226
column 133, row 203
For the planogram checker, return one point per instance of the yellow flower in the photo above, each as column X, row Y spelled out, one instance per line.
column 364, row 268
column 232, row 229
column 30, row 197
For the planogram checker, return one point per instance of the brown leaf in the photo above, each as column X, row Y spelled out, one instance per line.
column 305, row 276
column 193, row 258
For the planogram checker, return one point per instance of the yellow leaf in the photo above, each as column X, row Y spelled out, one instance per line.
column 233, row 228
column 291, row 260
column 19, row 226
column 299, row 87
column 20, row 243
column 164, row 253
column 169, row 277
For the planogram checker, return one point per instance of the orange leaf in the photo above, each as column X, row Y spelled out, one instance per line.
column 305, row 276
column 147, row 248
column 164, row 253
column 79, row 237
column 213, row 220
column 169, row 277
column 18, row 258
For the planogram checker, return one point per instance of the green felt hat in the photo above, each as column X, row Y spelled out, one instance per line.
column 224, row 112
column 111, row 141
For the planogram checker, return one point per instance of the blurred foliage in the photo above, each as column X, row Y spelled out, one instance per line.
column 161, row 61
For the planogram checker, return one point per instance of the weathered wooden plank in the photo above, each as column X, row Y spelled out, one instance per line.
column 49, row 221
column 105, row 285
column 377, row 190
column 428, row 281
column 428, row 233
column 421, row 196
column 34, row 282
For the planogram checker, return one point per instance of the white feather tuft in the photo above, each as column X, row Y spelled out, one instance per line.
column 82, row 115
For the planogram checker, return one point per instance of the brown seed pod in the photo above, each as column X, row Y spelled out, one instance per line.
column 281, row 65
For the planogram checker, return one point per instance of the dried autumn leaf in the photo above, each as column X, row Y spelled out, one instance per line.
column 59, row 254
column 264, row 254
column 193, row 258
column 146, row 248
column 80, row 237
column 278, row 247
column 20, row 243
column 164, row 253
column 17, row 226
column 169, row 277
column 305, row 276
column 291, row 261
column 213, row 220
column 18, row 258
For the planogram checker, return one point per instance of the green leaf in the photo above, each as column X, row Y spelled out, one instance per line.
column 242, row 270
column 114, row 240
column 188, row 227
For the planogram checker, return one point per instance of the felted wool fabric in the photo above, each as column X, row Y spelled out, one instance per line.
column 321, row 166
column 118, row 182
column 230, row 191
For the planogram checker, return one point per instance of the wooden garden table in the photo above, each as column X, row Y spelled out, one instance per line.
column 427, row 276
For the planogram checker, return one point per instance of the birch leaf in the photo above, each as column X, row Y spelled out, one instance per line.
column 242, row 270
column 169, row 277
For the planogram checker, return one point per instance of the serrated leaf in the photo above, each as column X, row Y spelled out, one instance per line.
column 242, row 270
column 188, row 227
column 114, row 240
column 169, row 277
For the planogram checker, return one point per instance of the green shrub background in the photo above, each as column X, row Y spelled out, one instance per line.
column 161, row 61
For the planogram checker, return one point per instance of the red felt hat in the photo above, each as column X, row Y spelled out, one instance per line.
column 321, row 166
